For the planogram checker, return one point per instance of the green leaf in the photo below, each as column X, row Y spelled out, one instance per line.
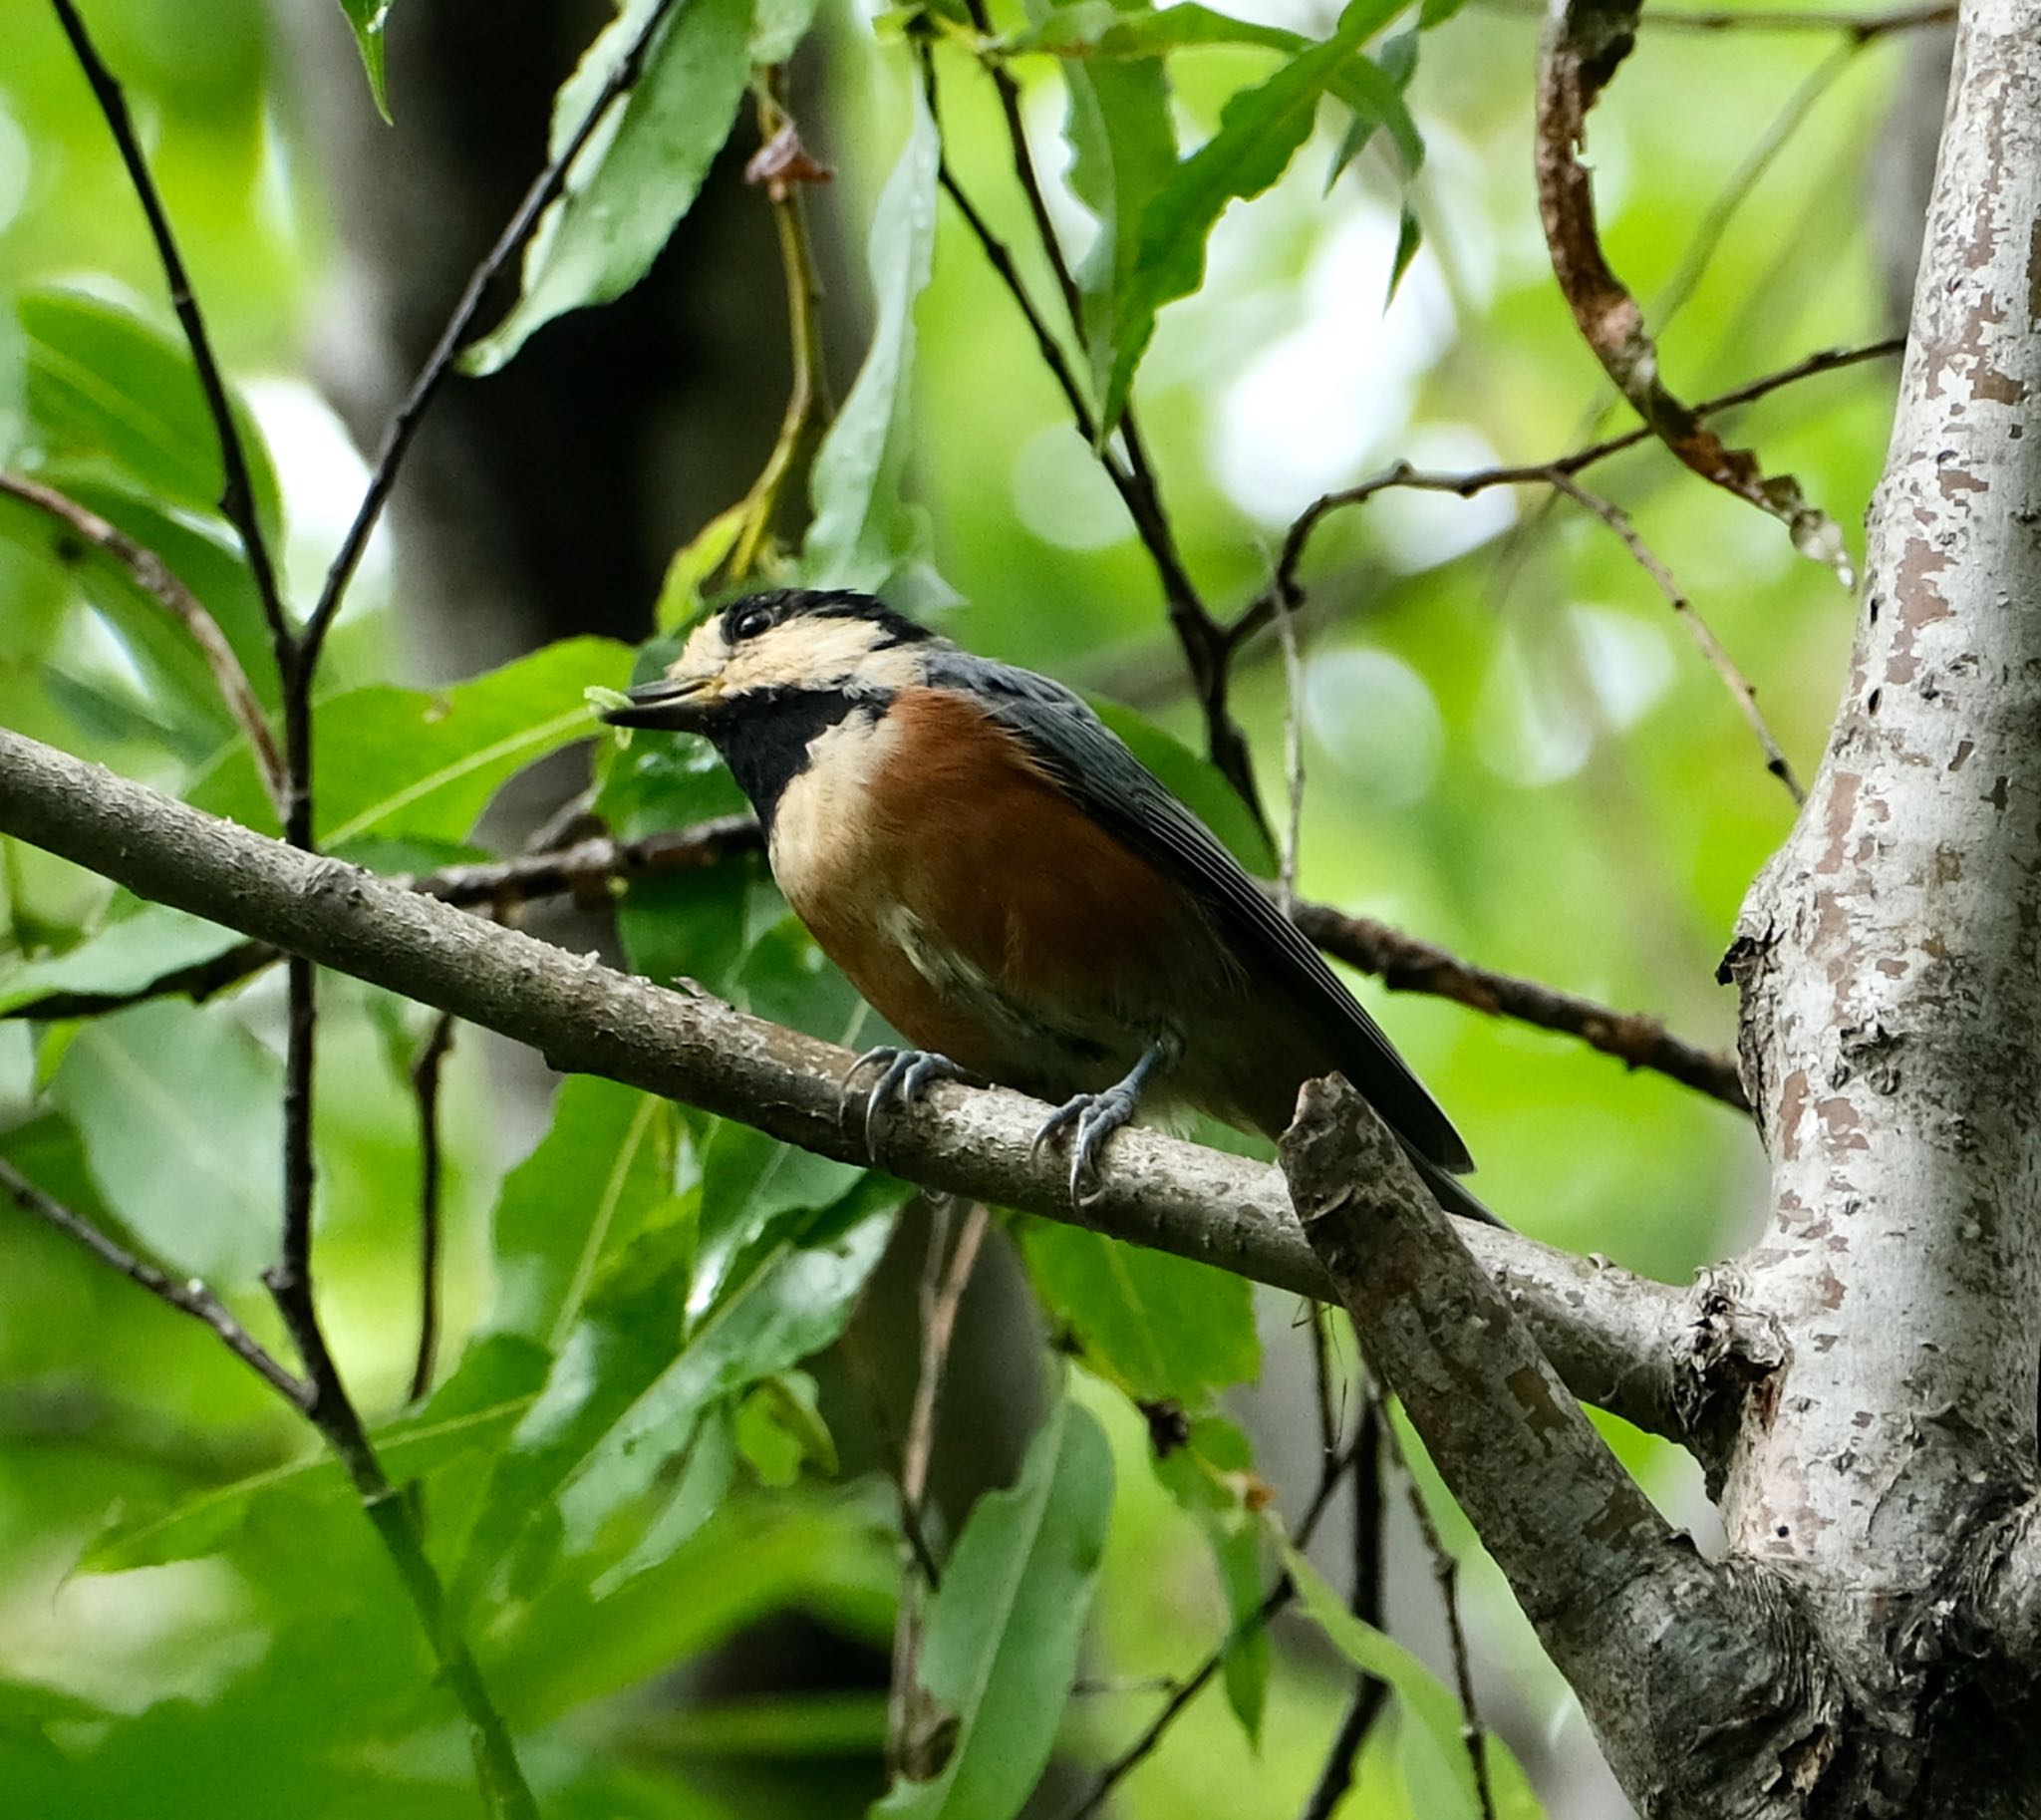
column 862, row 533
column 636, row 178
column 592, row 1184
column 1195, row 781
column 1003, row 1631
column 125, row 954
column 633, row 1376
column 1122, row 151
column 1163, row 1328
column 779, row 1430
column 1260, row 131
column 777, row 29
column 1209, row 1477
column 105, row 385
column 179, row 1110
column 413, row 764
column 449, row 1427
column 1432, row 1712
column 370, row 18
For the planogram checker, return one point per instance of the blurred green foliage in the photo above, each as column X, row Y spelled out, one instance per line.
column 623, row 1473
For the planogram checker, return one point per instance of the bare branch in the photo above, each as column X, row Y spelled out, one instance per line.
column 191, row 1297
column 913, row 1720
column 154, row 577
column 1260, row 612
column 1584, row 43
column 1862, row 27
column 237, row 498
column 1610, row 1333
column 1204, row 641
column 1719, row 660
column 1405, row 964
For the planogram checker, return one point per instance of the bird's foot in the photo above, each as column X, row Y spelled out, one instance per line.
column 905, row 1074
column 1090, row 1118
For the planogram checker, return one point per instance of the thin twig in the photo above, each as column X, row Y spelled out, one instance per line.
column 1292, row 757
column 784, row 169
column 190, row 1297
column 237, row 498
column 1723, row 665
column 1204, row 641
column 942, row 1283
column 1370, row 1693
column 154, row 577
column 1261, row 611
column 1445, row 1568
column 439, row 362
column 1188, row 1687
column 425, row 1074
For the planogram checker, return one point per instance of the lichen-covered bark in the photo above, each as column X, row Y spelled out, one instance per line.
column 1890, row 961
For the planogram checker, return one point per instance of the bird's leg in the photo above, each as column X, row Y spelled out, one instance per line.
column 904, row 1075
column 1096, row 1117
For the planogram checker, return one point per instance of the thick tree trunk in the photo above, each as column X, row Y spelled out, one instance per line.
column 1891, row 964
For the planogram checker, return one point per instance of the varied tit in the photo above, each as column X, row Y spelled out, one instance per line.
column 1012, row 890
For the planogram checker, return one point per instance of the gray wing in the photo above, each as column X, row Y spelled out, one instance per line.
column 1087, row 758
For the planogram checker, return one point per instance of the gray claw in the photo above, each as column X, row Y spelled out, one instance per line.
column 905, row 1074
column 1096, row 1117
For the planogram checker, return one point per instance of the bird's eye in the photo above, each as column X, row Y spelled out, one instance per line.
column 750, row 622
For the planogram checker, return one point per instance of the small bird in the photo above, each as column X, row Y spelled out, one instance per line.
column 1014, row 891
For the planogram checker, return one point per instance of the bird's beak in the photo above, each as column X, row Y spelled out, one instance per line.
column 670, row 706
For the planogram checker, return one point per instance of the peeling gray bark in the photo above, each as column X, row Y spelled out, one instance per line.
column 1892, row 994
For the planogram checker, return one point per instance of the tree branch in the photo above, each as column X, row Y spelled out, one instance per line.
column 1403, row 963
column 237, row 496
column 191, row 1297
column 1612, row 1335
column 154, row 577
column 1641, row 1626
column 1584, row 43
column 1260, row 612
column 1719, row 660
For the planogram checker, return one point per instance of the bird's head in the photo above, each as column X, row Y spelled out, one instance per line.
column 765, row 648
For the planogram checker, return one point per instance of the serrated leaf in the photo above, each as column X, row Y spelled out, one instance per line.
column 105, row 385
column 1260, row 131
column 179, row 1110
column 631, row 1381
column 1003, row 1629
column 1162, row 1327
column 635, row 180
column 370, row 19
column 422, row 764
column 587, row 1188
column 862, row 533
column 1431, row 1710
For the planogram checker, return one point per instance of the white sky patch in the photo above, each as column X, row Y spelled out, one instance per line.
column 1420, row 531
column 321, row 476
column 1319, row 405
column 1376, row 719
column 1062, row 494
